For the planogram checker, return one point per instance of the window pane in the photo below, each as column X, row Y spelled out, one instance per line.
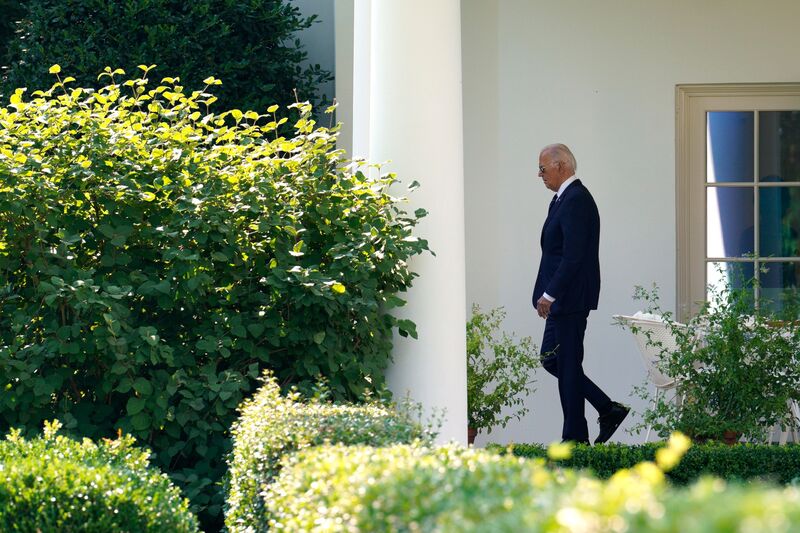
column 730, row 276
column 729, row 146
column 779, row 145
column 729, row 221
column 779, row 289
column 779, row 221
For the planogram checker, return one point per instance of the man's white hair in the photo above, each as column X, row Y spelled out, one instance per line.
column 560, row 152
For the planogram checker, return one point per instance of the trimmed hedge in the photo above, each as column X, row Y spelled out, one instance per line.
column 156, row 256
column 273, row 426
column 400, row 488
column 449, row 489
column 779, row 464
column 53, row 483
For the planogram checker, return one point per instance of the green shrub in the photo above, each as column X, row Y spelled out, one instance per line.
column 400, row 488
column 498, row 371
column 736, row 367
column 780, row 464
column 251, row 45
column 53, row 483
column 154, row 258
column 452, row 489
column 273, row 426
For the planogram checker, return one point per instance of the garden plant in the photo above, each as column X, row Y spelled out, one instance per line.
column 156, row 255
column 252, row 46
column 450, row 488
column 765, row 462
column 272, row 426
column 499, row 369
column 54, row 483
column 737, row 368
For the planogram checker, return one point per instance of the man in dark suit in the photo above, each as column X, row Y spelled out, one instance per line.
column 567, row 288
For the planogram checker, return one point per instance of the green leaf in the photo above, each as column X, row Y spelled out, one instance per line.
column 143, row 387
column 255, row 330
column 207, row 345
column 406, row 328
column 297, row 249
column 141, row 422
column 55, row 69
column 163, row 287
column 124, row 386
column 135, row 405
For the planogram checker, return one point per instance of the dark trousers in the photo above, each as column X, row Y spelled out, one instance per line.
column 562, row 356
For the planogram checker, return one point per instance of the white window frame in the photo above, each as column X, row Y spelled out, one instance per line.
column 692, row 103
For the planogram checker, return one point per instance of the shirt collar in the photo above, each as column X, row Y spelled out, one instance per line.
column 566, row 184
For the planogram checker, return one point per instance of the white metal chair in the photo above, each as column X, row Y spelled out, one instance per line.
column 782, row 434
column 653, row 336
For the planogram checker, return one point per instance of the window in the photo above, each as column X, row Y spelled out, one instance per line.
column 738, row 196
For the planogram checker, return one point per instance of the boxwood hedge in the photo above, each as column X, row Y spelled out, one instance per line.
column 779, row 464
column 52, row 483
column 155, row 256
column 272, row 427
column 448, row 489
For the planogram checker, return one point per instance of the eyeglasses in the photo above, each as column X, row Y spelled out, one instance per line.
column 543, row 167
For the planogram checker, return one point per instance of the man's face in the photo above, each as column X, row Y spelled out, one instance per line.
column 549, row 171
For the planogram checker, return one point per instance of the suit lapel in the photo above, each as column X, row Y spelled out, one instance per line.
column 552, row 212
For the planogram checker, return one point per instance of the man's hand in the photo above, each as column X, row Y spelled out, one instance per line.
column 543, row 307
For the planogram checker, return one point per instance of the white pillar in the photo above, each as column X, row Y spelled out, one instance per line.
column 415, row 123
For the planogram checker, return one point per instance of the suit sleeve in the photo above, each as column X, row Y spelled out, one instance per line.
column 576, row 230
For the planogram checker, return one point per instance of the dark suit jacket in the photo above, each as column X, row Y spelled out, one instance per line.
column 570, row 267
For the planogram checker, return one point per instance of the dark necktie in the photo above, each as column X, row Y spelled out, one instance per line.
column 552, row 204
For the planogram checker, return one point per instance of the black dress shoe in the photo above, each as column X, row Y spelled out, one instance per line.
column 610, row 421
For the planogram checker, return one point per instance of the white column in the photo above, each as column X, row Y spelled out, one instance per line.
column 415, row 123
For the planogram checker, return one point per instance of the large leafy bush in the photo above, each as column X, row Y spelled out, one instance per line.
column 252, row 46
column 448, row 489
column 273, row 426
column 52, row 483
column 154, row 257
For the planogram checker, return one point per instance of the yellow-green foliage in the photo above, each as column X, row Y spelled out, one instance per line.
column 273, row 426
column 53, row 483
column 453, row 489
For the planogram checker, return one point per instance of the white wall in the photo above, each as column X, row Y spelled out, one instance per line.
column 600, row 77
